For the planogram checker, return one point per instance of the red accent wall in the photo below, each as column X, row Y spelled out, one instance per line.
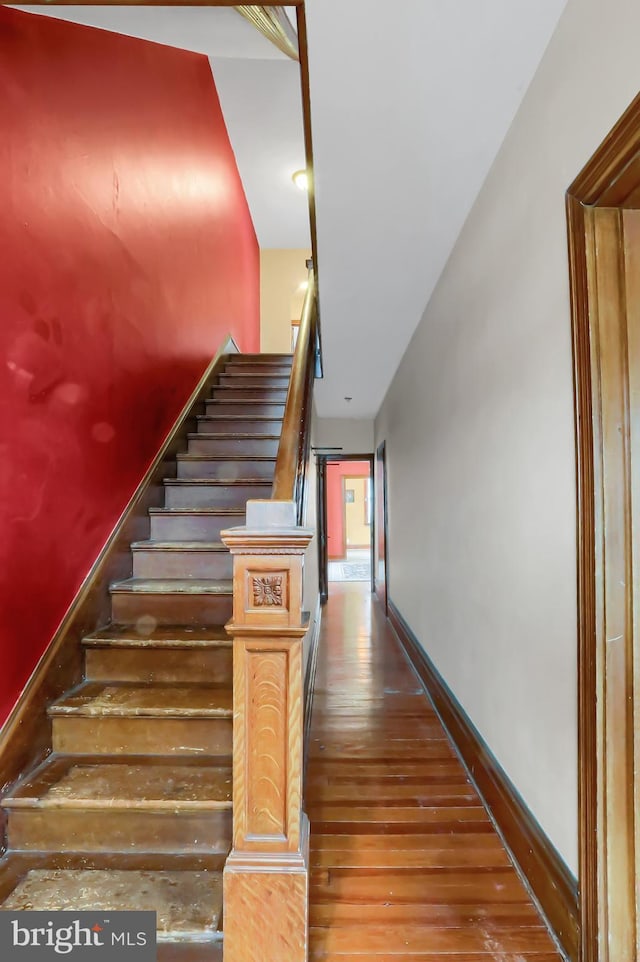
column 127, row 253
column 336, row 471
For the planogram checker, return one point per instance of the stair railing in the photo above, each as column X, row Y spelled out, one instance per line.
column 289, row 476
column 266, row 877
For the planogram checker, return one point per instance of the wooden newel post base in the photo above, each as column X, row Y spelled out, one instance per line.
column 266, row 878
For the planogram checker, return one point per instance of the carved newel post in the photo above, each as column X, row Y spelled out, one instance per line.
column 266, row 889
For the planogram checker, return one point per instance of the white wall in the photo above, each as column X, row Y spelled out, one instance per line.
column 480, row 433
column 353, row 435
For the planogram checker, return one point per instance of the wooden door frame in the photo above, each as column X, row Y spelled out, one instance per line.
column 381, row 592
column 604, row 262
column 321, row 525
column 322, row 520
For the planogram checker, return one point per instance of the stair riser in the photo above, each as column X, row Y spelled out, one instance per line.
column 261, row 447
column 161, row 563
column 214, row 665
column 185, row 528
column 243, row 425
column 103, row 830
column 222, row 469
column 246, row 409
column 279, row 370
column 142, row 735
column 214, row 496
column 254, row 380
column 183, row 951
column 175, row 609
column 267, row 395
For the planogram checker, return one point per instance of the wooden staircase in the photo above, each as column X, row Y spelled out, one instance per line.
column 132, row 807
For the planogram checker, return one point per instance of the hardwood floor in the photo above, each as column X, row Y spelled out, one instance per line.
column 405, row 863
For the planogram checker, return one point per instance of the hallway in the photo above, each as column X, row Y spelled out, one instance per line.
column 405, row 862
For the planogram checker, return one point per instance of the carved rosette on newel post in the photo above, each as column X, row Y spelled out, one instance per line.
column 266, row 879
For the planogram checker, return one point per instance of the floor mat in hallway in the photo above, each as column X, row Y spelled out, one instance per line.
column 406, row 865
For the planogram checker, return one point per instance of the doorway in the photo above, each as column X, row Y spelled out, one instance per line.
column 380, row 556
column 346, row 519
column 603, row 210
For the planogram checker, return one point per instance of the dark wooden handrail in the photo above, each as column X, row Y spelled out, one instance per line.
column 288, row 481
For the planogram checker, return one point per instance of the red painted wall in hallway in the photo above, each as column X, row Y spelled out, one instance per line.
column 127, row 253
column 336, row 471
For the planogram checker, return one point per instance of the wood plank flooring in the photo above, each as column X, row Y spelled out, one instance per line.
column 405, row 864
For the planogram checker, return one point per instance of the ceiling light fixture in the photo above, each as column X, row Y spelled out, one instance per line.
column 301, row 179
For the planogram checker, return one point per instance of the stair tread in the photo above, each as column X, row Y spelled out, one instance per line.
column 179, row 586
column 197, row 456
column 134, row 699
column 236, row 436
column 71, row 781
column 225, row 482
column 188, row 903
column 227, row 512
column 163, row 636
column 236, row 417
column 258, row 375
column 241, row 400
column 153, row 545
